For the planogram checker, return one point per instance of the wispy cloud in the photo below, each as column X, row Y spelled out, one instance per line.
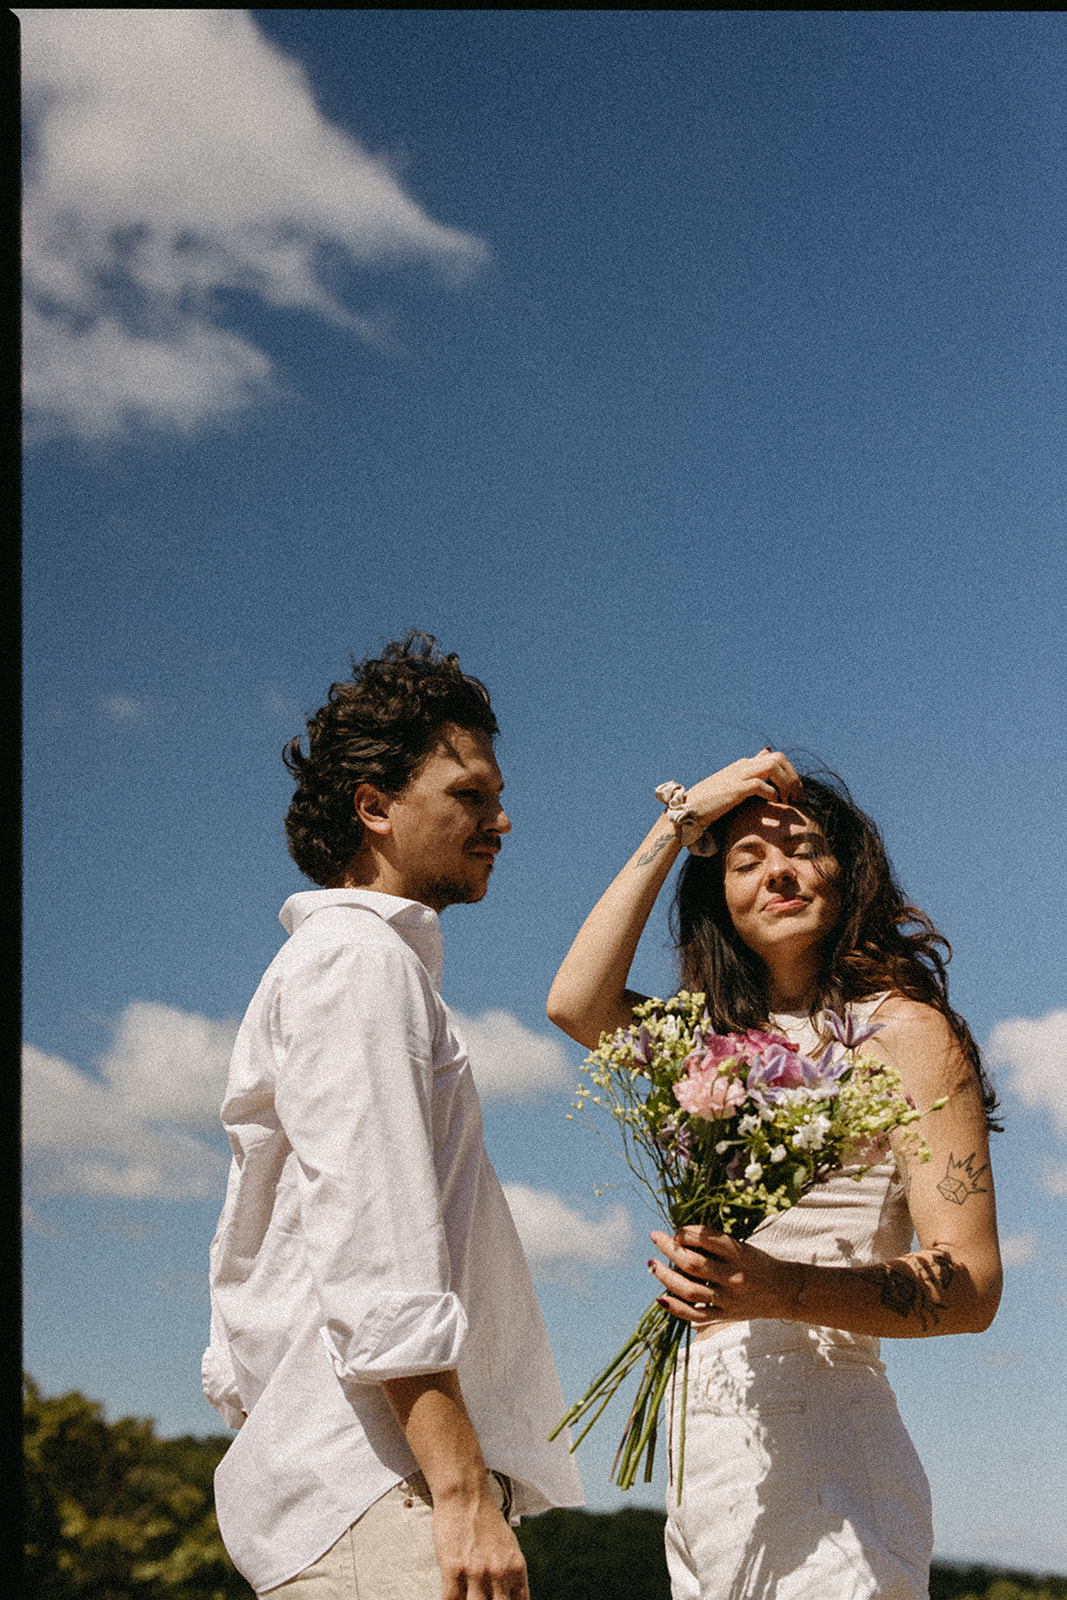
column 174, row 156
column 1017, row 1249
column 510, row 1060
column 1032, row 1055
column 123, row 708
column 1054, row 1181
column 131, row 1132
column 556, row 1236
column 283, row 708
column 1008, row 1360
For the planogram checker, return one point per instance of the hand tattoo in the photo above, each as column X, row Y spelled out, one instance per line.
column 961, row 1179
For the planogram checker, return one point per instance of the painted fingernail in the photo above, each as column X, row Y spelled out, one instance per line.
column 661, row 1300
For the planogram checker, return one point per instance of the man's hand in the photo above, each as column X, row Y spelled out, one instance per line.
column 477, row 1552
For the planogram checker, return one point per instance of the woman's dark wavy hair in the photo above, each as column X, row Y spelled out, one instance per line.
column 880, row 942
column 375, row 729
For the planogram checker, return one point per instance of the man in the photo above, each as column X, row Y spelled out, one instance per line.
column 375, row 1332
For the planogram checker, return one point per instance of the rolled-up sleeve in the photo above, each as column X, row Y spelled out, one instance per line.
column 355, row 1030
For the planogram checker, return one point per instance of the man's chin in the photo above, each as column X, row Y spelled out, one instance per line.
column 453, row 892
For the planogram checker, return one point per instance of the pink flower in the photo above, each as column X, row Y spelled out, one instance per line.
column 712, row 1090
column 762, row 1040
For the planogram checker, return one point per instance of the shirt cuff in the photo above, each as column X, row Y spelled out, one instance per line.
column 407, row 1335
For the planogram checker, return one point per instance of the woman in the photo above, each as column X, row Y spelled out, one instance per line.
column 800, row 1482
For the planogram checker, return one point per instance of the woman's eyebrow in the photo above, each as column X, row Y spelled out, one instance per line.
column 757, row 841
column 749, row 845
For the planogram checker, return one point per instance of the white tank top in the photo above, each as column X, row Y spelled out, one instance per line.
column 845, row 1221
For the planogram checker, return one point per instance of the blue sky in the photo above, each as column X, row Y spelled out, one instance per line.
column 699, row 378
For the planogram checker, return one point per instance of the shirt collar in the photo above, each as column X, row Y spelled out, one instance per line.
column 416, row 924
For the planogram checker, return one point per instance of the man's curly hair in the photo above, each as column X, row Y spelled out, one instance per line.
column 375, row 729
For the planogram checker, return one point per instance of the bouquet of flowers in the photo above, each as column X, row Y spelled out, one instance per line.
column 724, row 1131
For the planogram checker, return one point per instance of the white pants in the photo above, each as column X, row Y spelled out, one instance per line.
column 800, row 1481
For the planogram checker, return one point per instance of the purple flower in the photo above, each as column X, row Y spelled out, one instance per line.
column 778, row 1070
column 831, row 1065
column 676, row 1141
column 849, row 1032
column 642, row 1046
column 736, row 1164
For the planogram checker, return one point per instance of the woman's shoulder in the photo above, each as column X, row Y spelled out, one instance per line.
column 918, row 1039
column 895, row 1012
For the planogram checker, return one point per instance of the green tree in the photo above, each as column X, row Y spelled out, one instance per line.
column 585, row 1555
column 113, row 1513
column 987, row 1583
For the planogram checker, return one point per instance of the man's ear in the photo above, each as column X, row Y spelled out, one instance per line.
column 371, row 806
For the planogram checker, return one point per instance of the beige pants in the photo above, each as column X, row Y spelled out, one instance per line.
column 387, row 1554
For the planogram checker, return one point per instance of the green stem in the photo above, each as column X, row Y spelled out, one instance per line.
column 658, row 1373
column 609, row 1395
column 590, row 1395
column 681, row 1422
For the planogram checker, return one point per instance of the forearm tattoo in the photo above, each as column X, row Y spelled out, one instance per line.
column 961, row 1179
column 915, row 1290
column 661, row 844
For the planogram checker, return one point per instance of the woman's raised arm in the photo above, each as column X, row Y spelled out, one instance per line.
column 589, row 996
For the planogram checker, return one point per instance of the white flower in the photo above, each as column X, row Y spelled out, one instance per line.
column 779, row 1153
column 748, row 1124
column 722, row 1147
column 753, row 1172
column 812, row 1136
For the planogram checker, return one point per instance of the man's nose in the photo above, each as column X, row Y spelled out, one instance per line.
column 501, row 823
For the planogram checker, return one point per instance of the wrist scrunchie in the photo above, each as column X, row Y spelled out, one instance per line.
column 698, row 839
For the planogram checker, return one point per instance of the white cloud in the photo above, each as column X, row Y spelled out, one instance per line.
column 553, row 1234
column 1017, row 1249
column 1054, row 1181
column 125, row 1134
column 132, row 1130
column 172, row 156
column 1034, row 1052
column 168, row 1065
column 509, row 1059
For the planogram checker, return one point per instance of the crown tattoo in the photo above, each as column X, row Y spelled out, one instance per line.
column 961, row 1180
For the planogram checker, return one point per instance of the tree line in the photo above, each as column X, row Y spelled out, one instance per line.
column 112, row 1512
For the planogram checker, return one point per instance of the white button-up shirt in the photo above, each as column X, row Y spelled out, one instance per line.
column 364, row 1236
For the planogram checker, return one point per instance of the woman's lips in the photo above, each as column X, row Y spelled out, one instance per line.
column 783, row 904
